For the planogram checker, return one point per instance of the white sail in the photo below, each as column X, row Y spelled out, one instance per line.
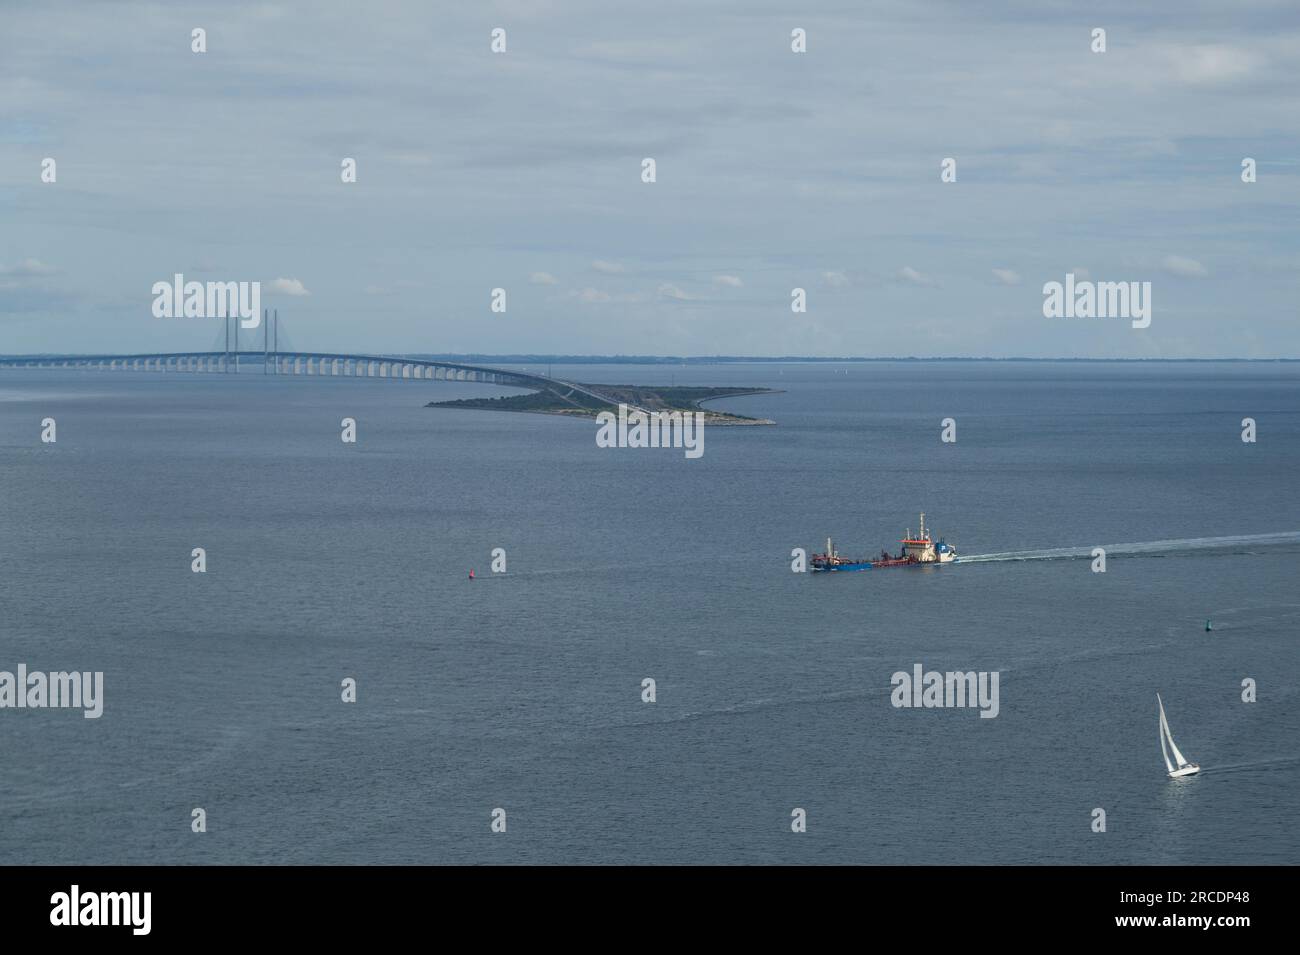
column 1163, row 730
column 1165, row 733
column 1174, row 747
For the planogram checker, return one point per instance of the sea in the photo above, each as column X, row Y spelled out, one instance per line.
column 520, row 700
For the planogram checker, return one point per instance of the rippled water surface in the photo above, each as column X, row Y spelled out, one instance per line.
column 523, row 691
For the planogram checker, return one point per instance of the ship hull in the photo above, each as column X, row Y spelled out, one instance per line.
column 866, row 565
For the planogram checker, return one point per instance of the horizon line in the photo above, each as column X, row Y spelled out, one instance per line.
column 536, row 358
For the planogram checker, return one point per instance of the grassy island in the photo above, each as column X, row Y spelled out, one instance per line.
column 586, row 401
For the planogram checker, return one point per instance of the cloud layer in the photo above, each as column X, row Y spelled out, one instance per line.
column 776, row 170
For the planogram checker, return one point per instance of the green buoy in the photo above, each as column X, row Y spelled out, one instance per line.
column 1208, row 628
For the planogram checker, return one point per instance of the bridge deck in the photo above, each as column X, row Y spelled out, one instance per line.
column 327, row 364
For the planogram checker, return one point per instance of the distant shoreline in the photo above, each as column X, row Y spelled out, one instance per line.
column 475, row 358
column 478, row 358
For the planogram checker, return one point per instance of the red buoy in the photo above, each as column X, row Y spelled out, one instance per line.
column 471, row 573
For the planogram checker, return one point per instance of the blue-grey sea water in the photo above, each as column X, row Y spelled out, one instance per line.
column 524, row 691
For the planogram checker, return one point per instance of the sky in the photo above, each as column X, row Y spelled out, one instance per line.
column 775, row 170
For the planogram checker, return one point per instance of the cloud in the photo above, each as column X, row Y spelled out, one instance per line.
column 543, row 278
column 1184, row 267
column 1007, row 276
column 23, row 289
column 731, row 281
column 909, row 274
column 27, row 268
column 668, row 290
column 288, row 287
column 1175, row 104
column 1211, row 64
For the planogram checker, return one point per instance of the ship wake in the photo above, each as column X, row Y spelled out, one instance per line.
column 1241, row 544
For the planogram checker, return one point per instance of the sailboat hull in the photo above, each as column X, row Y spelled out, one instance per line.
column 1189, row 770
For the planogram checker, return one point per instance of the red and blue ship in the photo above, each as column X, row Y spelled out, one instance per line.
column 920, row 549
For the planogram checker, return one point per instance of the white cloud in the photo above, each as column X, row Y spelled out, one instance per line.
column 836, row 279
column 591, row 295
column 1185, row 267
column 543, row 278
column 27, row 268
column 1007, row 276
column 668, row 290
column 609, row 268
column 731, row 281
column 909, row 274
column 288, row 287
column 1211, row 64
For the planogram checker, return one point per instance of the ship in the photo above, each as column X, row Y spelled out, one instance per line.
column 917, row 550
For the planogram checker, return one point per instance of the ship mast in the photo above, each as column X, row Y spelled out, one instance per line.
column 922, row 534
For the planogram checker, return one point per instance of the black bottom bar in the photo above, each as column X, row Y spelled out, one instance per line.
column 335, row 905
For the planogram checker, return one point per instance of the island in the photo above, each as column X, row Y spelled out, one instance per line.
column 582, row 400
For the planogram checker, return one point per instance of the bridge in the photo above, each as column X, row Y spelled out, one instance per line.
column 394, row 368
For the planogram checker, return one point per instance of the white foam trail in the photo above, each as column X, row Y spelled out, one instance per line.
column 1141, row 548
column 1277, row 762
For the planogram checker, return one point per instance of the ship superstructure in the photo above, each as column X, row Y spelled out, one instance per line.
column 925, row 550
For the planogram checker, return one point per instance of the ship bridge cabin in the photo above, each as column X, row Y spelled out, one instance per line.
column 923, row 549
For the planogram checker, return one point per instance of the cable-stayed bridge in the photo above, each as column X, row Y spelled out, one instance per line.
column 269, row 360
column 319, row 364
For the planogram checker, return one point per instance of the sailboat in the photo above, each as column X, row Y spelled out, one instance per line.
column 1184, row 767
